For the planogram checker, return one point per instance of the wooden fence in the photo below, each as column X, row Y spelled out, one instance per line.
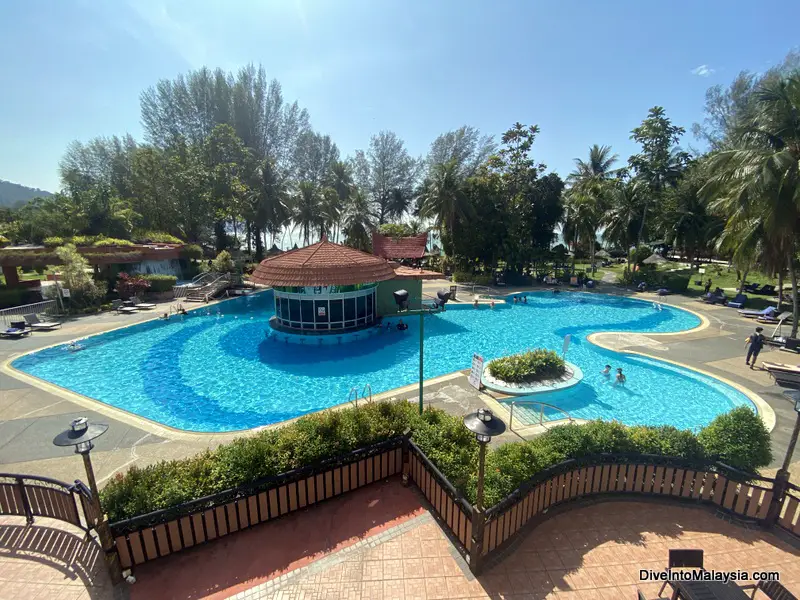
column 450, row 506
column 30, row 497
column 744, row 495
column 165, row 532
column 788, row 517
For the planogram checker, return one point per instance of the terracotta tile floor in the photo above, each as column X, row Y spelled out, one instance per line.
column 50, row 560
column 378, row 544
column 590, row 553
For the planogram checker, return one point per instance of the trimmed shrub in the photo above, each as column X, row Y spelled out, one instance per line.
column 677, row 284
column 307, row 441
column 160, row 283
column 192, row 252
column 223, row 263
column 143, row 236
column 476, row 278
column 738, row 438
column 106, row 241
column 83, row 240
column 53, row 241
column 131, row 285
column 534, row 365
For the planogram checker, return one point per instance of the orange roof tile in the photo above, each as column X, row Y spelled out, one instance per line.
column 399, row 247
column 403, row 272
column 323, row 263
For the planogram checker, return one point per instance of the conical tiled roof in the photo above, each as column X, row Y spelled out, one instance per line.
column 323, row 263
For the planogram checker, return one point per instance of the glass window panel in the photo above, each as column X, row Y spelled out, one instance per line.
column 284, row 309
column 362, row 307
column 307, row 311
column 294, row 310
column 321, row 311
column 349, row 309
column 336, row 311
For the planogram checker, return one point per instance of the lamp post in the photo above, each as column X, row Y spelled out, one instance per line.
column 485, row 426
column 401, row 298
column 793, row 395
column 80, row 434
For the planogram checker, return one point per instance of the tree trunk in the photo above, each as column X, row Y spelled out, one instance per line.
column 592, row 242
column 235, row 235
column 641, row 226
column 780, row 291
column 248, row 235
column 259, row 245
column 795, row 315
column 744, row 279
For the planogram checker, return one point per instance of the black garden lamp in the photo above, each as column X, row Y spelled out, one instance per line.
column 80, row 434
column 485, row 426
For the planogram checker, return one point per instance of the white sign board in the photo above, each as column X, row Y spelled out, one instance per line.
column 64, row 293
column 476, row 371
column 567, row 339
column 320, row 311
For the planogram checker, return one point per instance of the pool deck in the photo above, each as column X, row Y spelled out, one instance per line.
column 31, row 415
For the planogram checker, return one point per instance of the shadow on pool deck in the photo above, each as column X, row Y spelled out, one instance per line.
column 226, row 567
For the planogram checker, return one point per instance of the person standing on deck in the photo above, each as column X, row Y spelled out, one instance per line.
column 756, row 342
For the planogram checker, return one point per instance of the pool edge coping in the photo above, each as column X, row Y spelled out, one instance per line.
column 763, row 408
column 160, row 429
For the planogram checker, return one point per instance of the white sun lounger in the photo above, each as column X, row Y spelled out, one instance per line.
column 784, row 375
column 142, row 305
column 35, row 323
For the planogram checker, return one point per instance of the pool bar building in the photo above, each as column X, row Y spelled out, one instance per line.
column 327, row 288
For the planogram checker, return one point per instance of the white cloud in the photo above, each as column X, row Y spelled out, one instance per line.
column 703, row 71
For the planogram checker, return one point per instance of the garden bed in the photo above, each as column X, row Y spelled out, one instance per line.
column 572, row 376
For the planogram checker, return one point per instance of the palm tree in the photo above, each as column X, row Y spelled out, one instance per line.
column 598, row 166
column 588, row 195
column 442, row 197
column 582, row 217
column 306, row 209
column 623, row 218
column 268, row 208
column 340, row 179
column 357, row 222
column 331, row 212
column 760, row 176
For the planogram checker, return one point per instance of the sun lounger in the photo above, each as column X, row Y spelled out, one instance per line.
column 752, row 314
column 767, row 290
column 714, row 299
column 738, row 302
column 752, row 288
column 791, row 345
column 142, row 305
column 784, row 375
column 13, row 333
column 121, row 309
column 35, row 323
column 784, row 316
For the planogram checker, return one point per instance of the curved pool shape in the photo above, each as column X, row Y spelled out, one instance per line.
column 214, row 370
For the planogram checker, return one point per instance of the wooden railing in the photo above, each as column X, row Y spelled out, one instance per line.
column 744, row 495
column 30, row 497
column 451, row 508
column 171, row 530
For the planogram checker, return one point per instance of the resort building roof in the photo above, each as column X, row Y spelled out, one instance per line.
column 399, row 247
column 323, row 263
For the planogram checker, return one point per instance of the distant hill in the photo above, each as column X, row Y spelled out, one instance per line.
column 15, row 195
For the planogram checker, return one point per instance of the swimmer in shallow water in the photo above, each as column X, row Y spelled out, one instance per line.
column 606, row 371
column 74, row 346
column 475, row 303
column 620, row 377
column 491, row 303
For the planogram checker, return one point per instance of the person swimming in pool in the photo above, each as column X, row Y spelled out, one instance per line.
column 606, row 371
column 524, row 299
column 491, row 303
column 620, row 377
column 401, row 326
column 475, row 303
column 516, row 299
column 74, row 346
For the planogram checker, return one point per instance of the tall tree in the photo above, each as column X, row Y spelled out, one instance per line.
column 760, row 177
column 623, row 217
column 268, row 203
column 314, row 157
column 660, row 163
column 386, row 173
column 357, row 223
column 465, row 146
column 307, row 209
column 442, row 199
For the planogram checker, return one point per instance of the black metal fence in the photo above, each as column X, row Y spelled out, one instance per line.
column 30, row 497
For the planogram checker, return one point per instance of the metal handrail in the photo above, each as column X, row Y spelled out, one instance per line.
column 38, row 308
column 353, row 398
column 541, row 411
column 367, row 388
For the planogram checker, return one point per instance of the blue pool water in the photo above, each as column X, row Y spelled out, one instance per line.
column 214, row 370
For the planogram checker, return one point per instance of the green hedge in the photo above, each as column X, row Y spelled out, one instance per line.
column 53, row 241
column 192, row 252
column 144, row 236
column 476, row 278
column 527, row 367
column 160, row 283
column 10, row 297
column 107, row 241
column 738, row 437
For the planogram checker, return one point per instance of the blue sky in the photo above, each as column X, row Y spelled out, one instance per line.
column 586, row 72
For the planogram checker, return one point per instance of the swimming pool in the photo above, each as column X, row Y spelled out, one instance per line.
column 214, row 370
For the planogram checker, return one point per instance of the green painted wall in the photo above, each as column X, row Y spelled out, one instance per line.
column 386, row 303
